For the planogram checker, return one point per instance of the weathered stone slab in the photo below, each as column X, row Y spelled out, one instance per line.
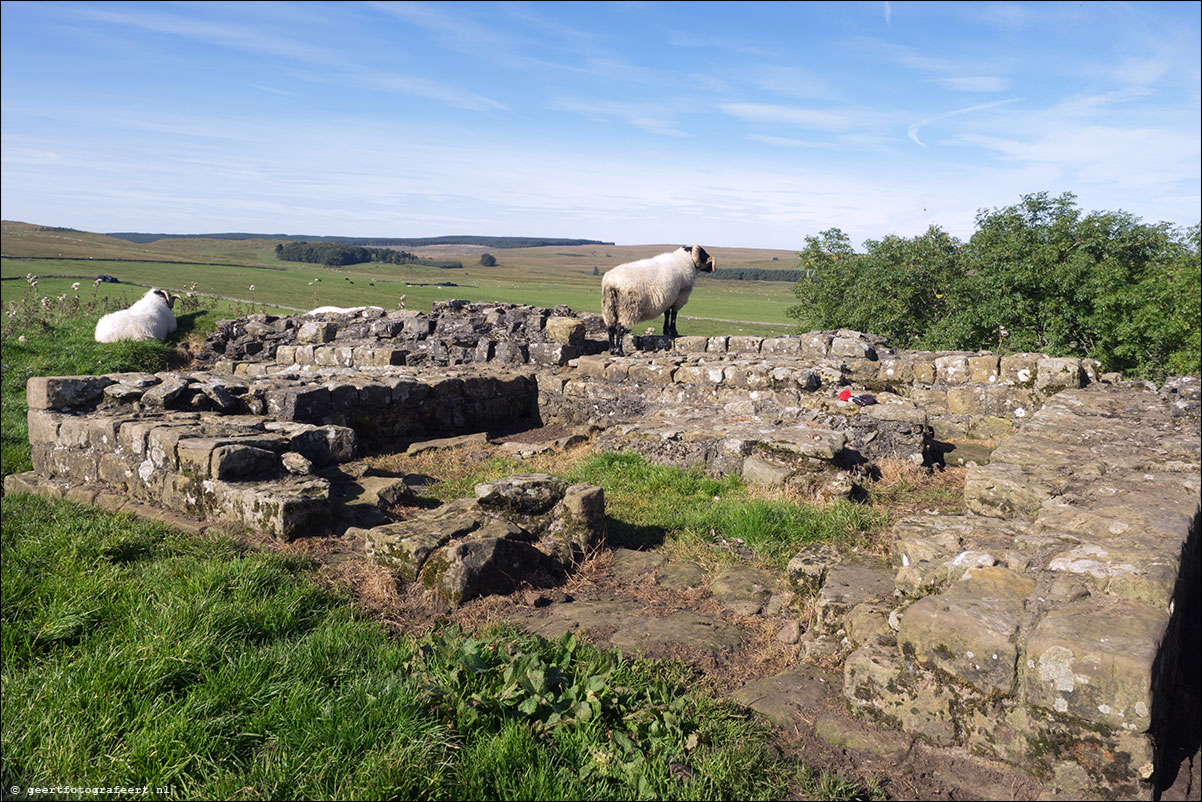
column 968, row 630
column 1094, row 659
column 743, row 589
column 64, row 392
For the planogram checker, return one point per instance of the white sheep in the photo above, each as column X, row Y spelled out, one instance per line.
column 344, row 310
column 148, row 319
column 642, row 290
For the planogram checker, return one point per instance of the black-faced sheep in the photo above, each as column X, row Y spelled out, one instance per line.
column 642, row 290
column 148, row 319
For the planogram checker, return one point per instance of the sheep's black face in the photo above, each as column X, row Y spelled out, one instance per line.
column 702, row 260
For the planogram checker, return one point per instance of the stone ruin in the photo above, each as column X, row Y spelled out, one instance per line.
column 1047, row 628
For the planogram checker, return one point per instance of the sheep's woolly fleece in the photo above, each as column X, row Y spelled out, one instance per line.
column 148, row 319
column 642, row 290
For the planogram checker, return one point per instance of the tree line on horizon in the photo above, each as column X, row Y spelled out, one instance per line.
column 412, row 242
column 333, row 254
column 1038, row 276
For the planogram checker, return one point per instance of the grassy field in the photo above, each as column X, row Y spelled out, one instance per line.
column 545, row 276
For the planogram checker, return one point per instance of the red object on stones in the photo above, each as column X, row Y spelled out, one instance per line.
column 845, row 394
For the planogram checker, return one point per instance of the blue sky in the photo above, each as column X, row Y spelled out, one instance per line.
column 750, row 125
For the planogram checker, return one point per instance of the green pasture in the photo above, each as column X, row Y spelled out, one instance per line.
column 306, row 286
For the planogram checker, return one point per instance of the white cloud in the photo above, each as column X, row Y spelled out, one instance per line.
column 976, row 83
column 914, row 128
column 788, row 142
column 844, row 119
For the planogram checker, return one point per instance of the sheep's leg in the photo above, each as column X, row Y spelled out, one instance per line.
column 616, row 335
column 670, row 323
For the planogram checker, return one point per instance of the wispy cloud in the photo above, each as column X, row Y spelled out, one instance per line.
column 660, row 118
column 914, row 128
column 844, row 119
column 249, row 39
column 976, row 83
column 888, row 13
column 788, row 142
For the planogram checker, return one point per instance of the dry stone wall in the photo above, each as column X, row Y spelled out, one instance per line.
column 1046, row 628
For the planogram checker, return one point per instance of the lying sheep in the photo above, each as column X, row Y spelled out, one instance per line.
column 343, row 310
column 642, row 290
column 148, row 319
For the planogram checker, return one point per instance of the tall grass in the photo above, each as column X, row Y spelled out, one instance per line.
column 133, row 654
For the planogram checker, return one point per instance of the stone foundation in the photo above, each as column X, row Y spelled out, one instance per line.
column 1045, row 628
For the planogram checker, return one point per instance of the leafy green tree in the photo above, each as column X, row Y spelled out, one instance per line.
column 488, row 260
column 1036, row 276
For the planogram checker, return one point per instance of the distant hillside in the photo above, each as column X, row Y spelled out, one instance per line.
column 413, row 242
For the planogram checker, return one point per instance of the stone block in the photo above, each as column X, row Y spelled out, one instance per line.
column 717, row 345
column 242, row 462
column 577, row 526
column 401, row 547
column 865, row 372
column 878, row 683
column 565, row 330
column 525, row 494
column 846, row 586
column 743, row 589
column 821, row 444
column 1020, row 369
column 966, row 399
column 285, row 508
column 617, row 371
column 113, row 469
column 848, row 348
column 65, row 392
column 790, row 346
column 655, row 373
column 699, row 374
column 43, row 426
column 1095, row 660
column 285, row 355
column 26, row 482
column 161, row 444
column 968, row 630
column 554, row 354
column 816, row 345
column 744, row 345
column 691, row 345
column 904, row 412
column 467, row 569
column 924, row 372
column 931, row 400
column 761, row 471
column 1003, row 490
column 984, row 369
column 592, row 367
column 896, row 371
column 808, row 568
column 302, row 404
column 316, row 331
column 866, row 622
column 1056, row 374
column 952, row 369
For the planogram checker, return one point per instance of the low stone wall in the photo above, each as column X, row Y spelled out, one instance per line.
column 1044, row 629
column 214, row 447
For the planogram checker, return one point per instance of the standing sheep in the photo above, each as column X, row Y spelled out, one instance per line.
column 638, row 291
column 148, row 319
